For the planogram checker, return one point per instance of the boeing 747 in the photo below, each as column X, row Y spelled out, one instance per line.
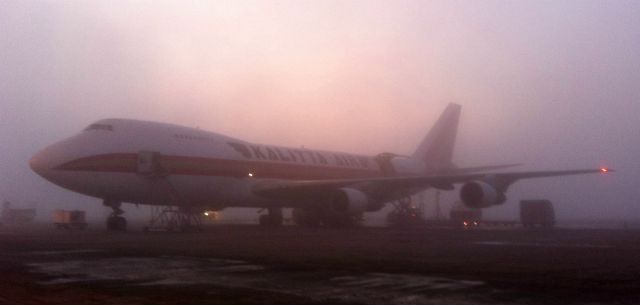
column 121, row 160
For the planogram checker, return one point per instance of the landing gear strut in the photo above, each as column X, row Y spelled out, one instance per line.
column 315, row 217
column 115, row 222
column 404, row 214
column 272, row 219
column 307, row 217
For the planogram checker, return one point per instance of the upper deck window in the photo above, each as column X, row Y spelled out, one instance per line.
column 105, row 127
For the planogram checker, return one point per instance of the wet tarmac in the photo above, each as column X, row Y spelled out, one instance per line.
column 250, row 265
column 366, row 288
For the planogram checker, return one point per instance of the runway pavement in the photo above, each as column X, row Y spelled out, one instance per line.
column 290, row 265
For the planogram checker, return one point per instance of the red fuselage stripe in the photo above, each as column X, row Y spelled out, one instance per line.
column 199, row 166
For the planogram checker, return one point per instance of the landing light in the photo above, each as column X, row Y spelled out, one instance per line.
column 206, row 213
column 604, row 170
column 250, row 174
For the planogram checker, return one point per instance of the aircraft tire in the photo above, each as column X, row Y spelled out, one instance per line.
column 270, row 221
column 339, row 221
column 116, row 223
column 306, row 218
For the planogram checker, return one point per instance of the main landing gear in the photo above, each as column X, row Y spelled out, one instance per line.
column 115, row 222
column 404, row 214
column 272, row 219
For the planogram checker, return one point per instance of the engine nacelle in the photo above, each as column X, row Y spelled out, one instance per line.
column 478, row 194
column 348, row 201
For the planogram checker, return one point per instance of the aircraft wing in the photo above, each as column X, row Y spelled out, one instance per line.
column 467, row 170
column 309, row 188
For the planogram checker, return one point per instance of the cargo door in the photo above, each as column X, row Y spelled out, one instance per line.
column 160, row 189
column 149, row 163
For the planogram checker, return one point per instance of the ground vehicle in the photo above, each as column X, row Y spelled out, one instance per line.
column 10, row 216
column 65, row 219
column 537, row 212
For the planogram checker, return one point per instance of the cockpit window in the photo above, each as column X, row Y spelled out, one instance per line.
column 105, row 127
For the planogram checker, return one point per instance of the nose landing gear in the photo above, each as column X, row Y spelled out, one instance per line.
column 115, row 222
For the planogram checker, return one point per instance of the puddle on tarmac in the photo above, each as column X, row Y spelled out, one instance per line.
column 174, row 270
column 370, row 288
column 65, row 252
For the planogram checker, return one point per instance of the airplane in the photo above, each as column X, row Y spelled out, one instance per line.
column 142, row 162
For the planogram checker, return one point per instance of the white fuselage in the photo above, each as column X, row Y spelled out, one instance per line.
column 155, row 163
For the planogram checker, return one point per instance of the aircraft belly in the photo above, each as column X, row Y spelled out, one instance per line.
column 221, row 191
column 169, row 190
column 127, row 187
column 206, row 190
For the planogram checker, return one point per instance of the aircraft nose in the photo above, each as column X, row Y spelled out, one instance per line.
column 40, row 163
column 45, row 161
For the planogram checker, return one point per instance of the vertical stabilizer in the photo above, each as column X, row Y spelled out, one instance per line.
column 436, row 149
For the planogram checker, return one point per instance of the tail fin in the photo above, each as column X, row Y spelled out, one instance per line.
column 436, row 149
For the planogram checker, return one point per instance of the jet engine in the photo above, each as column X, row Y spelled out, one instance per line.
column 347, row 201
column 479, row 194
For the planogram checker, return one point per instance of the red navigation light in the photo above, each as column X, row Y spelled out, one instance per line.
column 604, row 170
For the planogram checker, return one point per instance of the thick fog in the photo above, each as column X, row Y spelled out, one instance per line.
column 551, row 84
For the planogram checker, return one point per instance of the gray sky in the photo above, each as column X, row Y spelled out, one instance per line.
column 552, row 84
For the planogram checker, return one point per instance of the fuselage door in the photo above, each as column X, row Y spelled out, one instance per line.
column 384, row 162
column 149, row 163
